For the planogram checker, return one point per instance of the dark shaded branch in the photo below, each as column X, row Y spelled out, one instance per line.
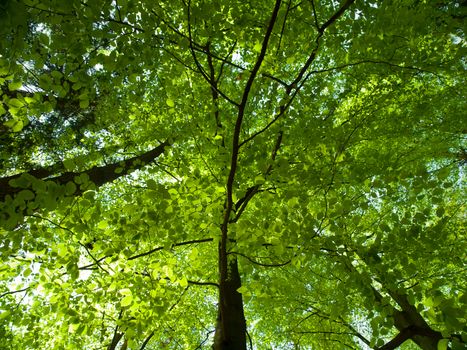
column 146, row 341
column 241, row 204
column 172, row 246
column 92, row 266
column 238, row 126
column 283, row 26
column 400, row 338
column 58, row 13
column 117, row 335
column 96, row 261
column 321, row 31
column 294, row 87
column 338, row 14
column 14, row 292
column 132, row 26
column 214, row 88
column 195, row 58
column 200, row 283
column 315, row 17
column 258, row 263
column 98, row 175
column 353, row 64
column 208, row 335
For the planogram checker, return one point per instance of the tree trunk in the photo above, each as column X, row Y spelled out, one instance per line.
column 231, row 324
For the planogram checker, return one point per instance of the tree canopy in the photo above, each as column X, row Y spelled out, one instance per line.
column 264, row 174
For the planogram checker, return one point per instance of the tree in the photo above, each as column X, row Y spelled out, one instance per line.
column 262, row 174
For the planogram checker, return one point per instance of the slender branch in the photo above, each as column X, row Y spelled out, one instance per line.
column 282, row 109
column 195, row 58
column 261, row 264
column 91, row 266
column 249, row 339
column 146, row 341
column 50, row 11
column 225, row 61
column 295, row 86
column 241, row 204
column 214, row 88
column 314, row 14
column 272, row 77
column 195, row 241
column 241, row 112
column 199, row 283
column 321, row 31
column 117, row 336
column 96, row 261
column 353, row 64
column 208, row 335
column 118, row 10
column 283, row 26
column 14, row 292
column 132, row 26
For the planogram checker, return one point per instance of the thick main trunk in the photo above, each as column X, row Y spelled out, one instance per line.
column 231, row 324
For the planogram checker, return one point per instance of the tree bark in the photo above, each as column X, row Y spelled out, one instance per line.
column 231, row 324
column 410, row 324
column 409, row 318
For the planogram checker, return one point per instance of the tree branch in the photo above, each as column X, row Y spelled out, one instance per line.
column 400, row 338
column 172, row 246
column 98, row 175
column 14, row 292
column 258, row 263
column 294, row 87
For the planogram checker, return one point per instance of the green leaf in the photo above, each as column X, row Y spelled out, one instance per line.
column 14, row 102
column 69, row 164
column 5, row 314
column 102, row 225
column 14, row 85
column 70, row 188
column 25, row 195
column 443, row 344
column 183, row 282
column 259, row 180
column 126, row 301
column 62, row 250
column 16, row 125
column 257, row 47
column 170, row 102
column 84, row 104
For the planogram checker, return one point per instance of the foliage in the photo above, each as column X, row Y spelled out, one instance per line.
column 149, row 149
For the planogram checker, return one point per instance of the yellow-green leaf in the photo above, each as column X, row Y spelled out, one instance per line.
column 183, row 282
column 170, row 102
column 127, row 300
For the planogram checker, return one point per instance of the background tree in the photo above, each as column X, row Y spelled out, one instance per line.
column 269, row 174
